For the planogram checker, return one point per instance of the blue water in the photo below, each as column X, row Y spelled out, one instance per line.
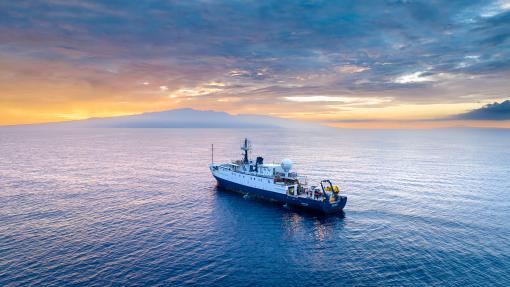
column 135, row 207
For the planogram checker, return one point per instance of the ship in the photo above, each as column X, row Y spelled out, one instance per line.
column 276, row 182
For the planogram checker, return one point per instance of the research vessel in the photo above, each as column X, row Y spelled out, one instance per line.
column 276, row 182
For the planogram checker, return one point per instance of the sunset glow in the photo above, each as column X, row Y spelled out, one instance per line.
column 340, row 65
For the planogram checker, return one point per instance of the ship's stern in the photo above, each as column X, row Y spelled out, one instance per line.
column 335, row 206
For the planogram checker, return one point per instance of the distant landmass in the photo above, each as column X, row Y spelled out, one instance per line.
column 187, row 118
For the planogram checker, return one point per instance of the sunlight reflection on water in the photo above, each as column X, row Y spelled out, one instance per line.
column 139, row 207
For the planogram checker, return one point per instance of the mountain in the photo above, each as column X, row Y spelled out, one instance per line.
column 187, row 118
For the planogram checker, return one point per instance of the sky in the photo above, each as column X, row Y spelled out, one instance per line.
column 342, row 63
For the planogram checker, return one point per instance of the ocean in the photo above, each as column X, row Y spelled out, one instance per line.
column 139, row 207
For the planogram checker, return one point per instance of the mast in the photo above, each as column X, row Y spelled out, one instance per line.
column 245, row 148
column 212, row 153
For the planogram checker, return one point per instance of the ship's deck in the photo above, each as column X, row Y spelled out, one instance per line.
column 281, row 179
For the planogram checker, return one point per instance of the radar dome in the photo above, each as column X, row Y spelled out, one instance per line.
column 286, row 164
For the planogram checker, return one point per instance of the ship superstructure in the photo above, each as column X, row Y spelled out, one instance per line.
column 276, row 182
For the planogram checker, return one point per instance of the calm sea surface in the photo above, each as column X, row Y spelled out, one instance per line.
column 135, row 207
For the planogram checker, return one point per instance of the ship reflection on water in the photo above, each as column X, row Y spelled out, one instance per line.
column 292, row 221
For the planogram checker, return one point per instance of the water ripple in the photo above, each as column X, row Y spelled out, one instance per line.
column 132, row 207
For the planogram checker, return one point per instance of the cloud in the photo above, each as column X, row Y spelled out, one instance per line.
column 412, row 78
column 351, row 69
column 495, row 111
column 411, row 52
column 348, row 101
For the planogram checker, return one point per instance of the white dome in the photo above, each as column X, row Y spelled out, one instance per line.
column 286, row 164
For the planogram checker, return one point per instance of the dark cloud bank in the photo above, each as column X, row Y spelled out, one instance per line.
column 495, row 111
column 414, row 52
column 490, row 112
column 268, row 40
